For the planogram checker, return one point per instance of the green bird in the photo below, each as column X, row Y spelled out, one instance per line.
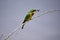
column 28, row 17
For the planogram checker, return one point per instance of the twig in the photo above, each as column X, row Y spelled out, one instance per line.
column 10, row 34
column 50, row 11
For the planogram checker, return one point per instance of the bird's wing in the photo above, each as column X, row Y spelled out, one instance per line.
column 26, row 18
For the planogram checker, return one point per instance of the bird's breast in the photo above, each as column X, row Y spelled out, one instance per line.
column 31, row 15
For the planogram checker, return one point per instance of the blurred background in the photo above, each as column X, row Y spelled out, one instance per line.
column 46, row 27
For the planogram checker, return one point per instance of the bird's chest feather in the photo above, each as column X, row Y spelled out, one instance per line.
column 31, row 15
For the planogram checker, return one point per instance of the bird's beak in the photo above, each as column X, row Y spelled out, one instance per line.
column 38, row 10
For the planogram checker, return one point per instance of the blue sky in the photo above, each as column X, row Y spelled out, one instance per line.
column 46, row 27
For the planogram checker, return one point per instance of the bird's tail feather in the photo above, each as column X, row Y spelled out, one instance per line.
column 23, row 25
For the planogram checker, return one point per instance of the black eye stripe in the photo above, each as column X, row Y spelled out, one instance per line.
column 33, row 10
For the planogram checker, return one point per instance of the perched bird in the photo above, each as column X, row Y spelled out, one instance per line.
column 28, row 17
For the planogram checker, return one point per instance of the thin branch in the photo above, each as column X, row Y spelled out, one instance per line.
column 47, row 12
column 10, row 34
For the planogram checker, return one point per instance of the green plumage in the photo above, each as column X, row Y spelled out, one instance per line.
column 26, row 18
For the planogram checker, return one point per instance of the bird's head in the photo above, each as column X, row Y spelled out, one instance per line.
column 34, row 10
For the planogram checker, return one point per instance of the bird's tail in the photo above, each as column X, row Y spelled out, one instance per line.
column 23, row 25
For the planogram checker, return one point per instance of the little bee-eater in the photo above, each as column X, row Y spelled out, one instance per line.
column 28, row 17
